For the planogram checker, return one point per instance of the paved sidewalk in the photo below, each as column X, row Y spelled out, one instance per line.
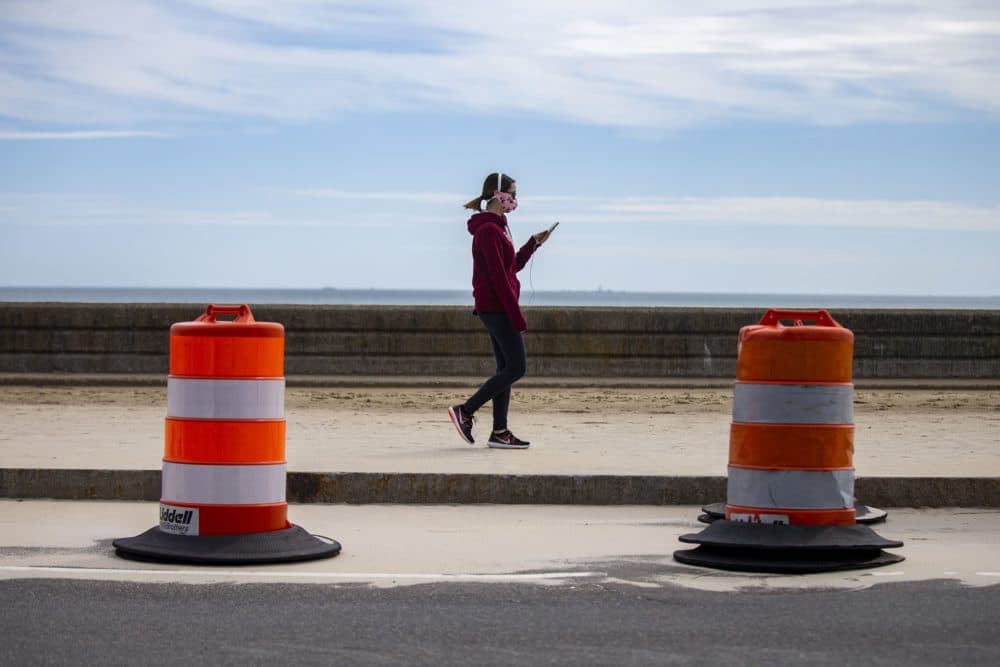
column 398, row 545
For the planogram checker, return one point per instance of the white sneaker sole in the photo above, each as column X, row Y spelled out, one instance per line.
column 458, row 427
column 500, row 445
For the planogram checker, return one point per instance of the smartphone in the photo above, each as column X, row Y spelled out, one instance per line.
column 553, row 227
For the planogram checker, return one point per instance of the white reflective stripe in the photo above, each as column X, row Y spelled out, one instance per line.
column 196, row 398
column 222, row 485
column 790, row 489
column 793, row 403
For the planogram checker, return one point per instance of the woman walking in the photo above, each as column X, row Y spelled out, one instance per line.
column 496, row 289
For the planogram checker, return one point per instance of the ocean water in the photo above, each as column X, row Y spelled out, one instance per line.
column 464, row 297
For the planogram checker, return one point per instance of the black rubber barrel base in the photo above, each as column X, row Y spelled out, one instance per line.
column 280, row 546
column 780, row 561
column 864, row 513
column 755, row 547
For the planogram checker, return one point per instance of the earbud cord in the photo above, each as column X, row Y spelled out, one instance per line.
column 531, row 262
column 531, row 267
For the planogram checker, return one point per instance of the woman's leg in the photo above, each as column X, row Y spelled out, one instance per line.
column 512, row 361
column 501, row 401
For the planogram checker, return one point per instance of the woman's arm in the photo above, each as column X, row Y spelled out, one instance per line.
column 526, row 251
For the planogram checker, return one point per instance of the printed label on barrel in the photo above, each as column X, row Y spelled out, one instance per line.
column 755, row 517
column 178, row 520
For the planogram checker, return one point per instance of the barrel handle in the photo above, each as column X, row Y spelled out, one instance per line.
column 212, row 312
column 773, row 317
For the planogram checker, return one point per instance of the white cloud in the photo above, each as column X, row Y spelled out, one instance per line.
column 385, row 210
column 753, row 211
column 649, row 254
column 632, row 63
column 806, row 212
column 416, row 197
column 22, row 135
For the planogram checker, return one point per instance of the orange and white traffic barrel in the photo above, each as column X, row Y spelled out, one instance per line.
column 790, row 488
column 224, row 465
column 224, row 445
column 791, row 441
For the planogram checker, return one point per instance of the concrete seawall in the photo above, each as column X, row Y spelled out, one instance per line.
column 459, row 488
column 437, row 341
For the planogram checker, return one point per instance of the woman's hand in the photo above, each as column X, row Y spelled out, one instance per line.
column 541, row 237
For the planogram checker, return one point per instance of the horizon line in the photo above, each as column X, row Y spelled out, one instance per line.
column 597, row 290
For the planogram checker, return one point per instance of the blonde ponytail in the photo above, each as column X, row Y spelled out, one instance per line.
column 494, row 182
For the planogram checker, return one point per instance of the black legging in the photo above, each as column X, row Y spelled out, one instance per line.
column 512, row 361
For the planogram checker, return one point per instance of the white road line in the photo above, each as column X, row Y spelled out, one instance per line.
column 535, row 576
column 988, row 574
column 887, row 574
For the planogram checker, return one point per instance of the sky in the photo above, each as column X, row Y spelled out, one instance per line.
column 784, row 146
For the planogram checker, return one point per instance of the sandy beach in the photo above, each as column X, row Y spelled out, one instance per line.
column 574, row 431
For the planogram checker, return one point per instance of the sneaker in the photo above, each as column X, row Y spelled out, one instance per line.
column 462, row 422
column 506, row 440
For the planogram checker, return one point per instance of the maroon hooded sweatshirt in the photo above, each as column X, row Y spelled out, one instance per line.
column 495, row 286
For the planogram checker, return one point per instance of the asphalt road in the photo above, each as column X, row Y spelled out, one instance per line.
column 73, row 622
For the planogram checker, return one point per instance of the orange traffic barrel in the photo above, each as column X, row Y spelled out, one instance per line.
column 791, row 441
column 224, row 465
column 790, row 488
column 224, row 445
